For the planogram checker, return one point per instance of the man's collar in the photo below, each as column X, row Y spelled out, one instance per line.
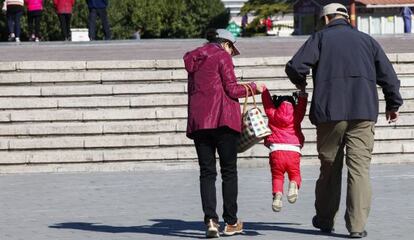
column 339, row 21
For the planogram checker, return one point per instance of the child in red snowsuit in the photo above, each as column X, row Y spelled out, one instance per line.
column 285, row 142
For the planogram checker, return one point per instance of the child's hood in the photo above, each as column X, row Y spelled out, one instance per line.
column 284, row 114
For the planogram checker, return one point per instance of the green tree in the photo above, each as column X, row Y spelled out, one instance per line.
column 261, row 9
column 205, row 14
column 156, row 19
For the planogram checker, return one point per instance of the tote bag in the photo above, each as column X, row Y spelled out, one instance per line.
column 254, row 127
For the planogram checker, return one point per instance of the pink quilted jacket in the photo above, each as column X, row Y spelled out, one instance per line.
column 34, row 5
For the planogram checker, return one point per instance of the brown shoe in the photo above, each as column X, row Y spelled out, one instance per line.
column 230, row 230
column 212, row 229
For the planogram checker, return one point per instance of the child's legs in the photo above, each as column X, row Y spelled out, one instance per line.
column 277, row 168
column 293, row 167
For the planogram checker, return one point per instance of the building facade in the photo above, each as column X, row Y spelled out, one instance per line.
column 373, row 16
column 234, row 6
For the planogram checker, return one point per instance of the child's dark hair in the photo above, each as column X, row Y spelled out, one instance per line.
column 277, row 100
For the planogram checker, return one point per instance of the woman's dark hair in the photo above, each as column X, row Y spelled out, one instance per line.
column 277, row 100
column 211, row 36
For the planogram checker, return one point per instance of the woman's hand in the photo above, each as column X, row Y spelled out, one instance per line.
column 260, row 87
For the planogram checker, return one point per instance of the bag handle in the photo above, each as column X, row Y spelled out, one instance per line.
column 248, row 87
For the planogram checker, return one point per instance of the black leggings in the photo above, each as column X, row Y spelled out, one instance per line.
column 33, row 18
column 224, row 140
column 64, row 19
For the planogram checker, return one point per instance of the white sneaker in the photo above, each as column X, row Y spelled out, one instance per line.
column 277, row 202
column 292, row 195
column 17, row 39
column 212, row 229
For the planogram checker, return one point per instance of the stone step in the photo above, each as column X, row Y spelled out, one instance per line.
column 144, row 75
column 278, row 87
column 93, row 128
column 152, row 100
column 157, row 64
column 166, row 165
column 152, row 139
column 164, row 153
column 68, row 129
column 125, row 114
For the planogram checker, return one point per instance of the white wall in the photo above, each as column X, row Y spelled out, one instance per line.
column 234, row 6
column 381, row 24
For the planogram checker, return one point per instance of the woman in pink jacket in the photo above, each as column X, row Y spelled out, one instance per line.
column 214, row 123
column 64, row 11
column 285, row 143
column 34, row 13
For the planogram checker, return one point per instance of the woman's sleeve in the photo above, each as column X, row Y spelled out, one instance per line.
column 229, row 80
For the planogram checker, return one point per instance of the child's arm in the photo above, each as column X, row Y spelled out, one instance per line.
column 300, row 109
column 267, row 103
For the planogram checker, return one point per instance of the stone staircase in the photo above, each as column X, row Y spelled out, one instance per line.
column 126, row 115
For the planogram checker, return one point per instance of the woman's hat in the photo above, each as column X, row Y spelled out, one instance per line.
column 225, row 34
column 334, row 8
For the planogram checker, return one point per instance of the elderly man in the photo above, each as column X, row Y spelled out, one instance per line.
column 346, row 67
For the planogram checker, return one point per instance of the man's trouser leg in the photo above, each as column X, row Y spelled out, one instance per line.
column 92, row 23
column 359, row 140
column 103, row 15
column 328, row 187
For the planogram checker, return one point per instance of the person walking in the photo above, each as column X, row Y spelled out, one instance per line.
column 97, row 8
column 347, row 65
column 64, row 11
column 34, row 13
column 14, row 11
column 214, row 123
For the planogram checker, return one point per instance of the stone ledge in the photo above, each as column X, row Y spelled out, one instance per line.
column 159, row 64
column 51, row 65
column 137, row 166
column 405, row 58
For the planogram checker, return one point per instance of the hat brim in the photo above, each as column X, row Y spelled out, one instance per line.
column 235, row 50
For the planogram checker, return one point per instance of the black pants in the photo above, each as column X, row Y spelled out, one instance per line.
column 33, row 18
column 14, row 13
column 102, row 14
column 64, row 19
column 224, row 140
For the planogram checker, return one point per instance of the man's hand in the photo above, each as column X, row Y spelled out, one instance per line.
column 391, row 116
column 301, row 87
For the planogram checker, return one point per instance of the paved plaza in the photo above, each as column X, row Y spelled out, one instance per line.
column 148, row 49
column 166, row 205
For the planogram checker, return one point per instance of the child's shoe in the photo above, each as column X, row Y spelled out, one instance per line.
column 292, row 192
column 212, row 229
column 230, row 230
column 277, row 202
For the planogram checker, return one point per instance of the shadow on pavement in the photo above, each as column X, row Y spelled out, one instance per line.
column 188, row 229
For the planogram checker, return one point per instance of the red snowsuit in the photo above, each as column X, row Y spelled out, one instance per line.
column 284, row 122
